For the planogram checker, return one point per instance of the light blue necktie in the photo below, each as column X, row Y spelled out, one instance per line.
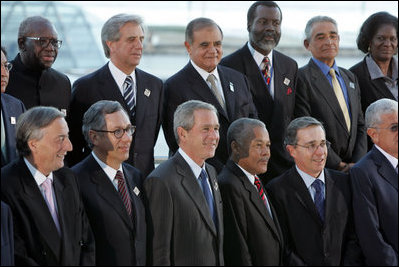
column 319, row 198
column 208, row 196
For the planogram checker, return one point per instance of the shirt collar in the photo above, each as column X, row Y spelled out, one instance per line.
column 120, row 76
column 109, row 171
column 325, row 68
column 390, row 158
column 258, row 57
column 250, row 177
column 37, row 175
column 204, row 74
column 375, row 71
column 308, row 179
column 194, row 166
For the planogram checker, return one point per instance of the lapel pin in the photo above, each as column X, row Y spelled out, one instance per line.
column 231, row 87
column 286, row 81
column 352, row 85
column 136, row 191
column 13, row 120
column 63, row 110
column 147, row 92
column 215, row 186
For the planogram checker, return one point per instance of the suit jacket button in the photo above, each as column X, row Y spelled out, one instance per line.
column 44, row 253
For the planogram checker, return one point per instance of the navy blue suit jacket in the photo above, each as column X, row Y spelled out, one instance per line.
column 7, row 236
column 12, row 108
column 120, row 240
column 100, row 85
column 188, row 84
column 375, row 204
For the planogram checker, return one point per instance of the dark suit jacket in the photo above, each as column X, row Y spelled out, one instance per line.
column 45, row 88
column 182, row 231
column 277, row 113
column 100, row 85
column 120, row 241
column 307, row 240
column 37, row 241
column 375, row 204
column 251, row 236
column 315, row 97
column 370, row 90
column 188, row 84
column 7, row 236
column 11, row 108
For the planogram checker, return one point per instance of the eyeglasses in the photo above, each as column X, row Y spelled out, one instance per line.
column 44, row 41
column 120, row 132
column 313, row 147
column 7, row 66
column 393, row 128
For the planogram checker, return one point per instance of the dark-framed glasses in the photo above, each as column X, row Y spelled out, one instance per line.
column 120, row 132
column 313, row 147
column 7, row 66
column 393, row 128
column 45, row 41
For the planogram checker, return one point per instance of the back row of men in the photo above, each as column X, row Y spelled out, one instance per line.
column 271, row 89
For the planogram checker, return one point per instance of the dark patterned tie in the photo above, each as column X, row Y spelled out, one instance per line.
column 319, row 198
column 123, row 191
column 266, row 70
column 208, row 196
column 129, row 96
column 262, row 195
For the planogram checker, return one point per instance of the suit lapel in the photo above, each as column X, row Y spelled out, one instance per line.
column 385, row 168
column 143, row 96
column 41, row 216
column 191, row 186
column 108, row 89
column 228, row 91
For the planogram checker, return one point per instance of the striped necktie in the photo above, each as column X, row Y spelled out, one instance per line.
column 123, row 191
column 129, row 95
column 262, row 195
column 319, row 198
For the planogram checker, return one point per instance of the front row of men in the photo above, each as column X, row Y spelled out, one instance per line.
column 194, row 217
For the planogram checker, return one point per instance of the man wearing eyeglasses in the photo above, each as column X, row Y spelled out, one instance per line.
column 32, row 79
column 11, row 109
column 111, row 189
column 313, row 204
column 375, row 187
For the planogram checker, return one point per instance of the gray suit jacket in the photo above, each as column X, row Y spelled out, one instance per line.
column 182, row 231
column 315, row 97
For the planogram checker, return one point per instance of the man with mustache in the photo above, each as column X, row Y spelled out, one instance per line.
column 252, row 233
column 139, row 92
column 273, row 91
column 32, row 79
column 331, row 94
column 314, row 204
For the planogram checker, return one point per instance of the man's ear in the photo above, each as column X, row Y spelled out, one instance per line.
column 182, row 133
column 21, row 44
column 188, row 47
column 373, row 134
column 306, row 44
column 93, row 135
column 291, row 150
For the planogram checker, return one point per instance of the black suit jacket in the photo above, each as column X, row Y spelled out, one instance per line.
column 188, row 84
column 375, row 204
column 7, row 236
column 120, row 241
column 11, row 108
column 182, row 231
column 37, row 241
column 307, row 240
column 277, row 113
column 315, row 97
column 44, row 88
column 251, row 235
column 100, row 85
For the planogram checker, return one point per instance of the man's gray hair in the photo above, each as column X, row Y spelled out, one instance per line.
column 26, row 25
column 184, row 115
column 312, row 21
column 94, row 117
column 30, row 126
column 377, row 109
column 199, row 24
column 111, row 29
column 298, row 124
column 242, row 132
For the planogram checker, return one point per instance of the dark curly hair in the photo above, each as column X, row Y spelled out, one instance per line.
column 371, row 26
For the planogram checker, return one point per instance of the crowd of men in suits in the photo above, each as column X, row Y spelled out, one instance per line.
column 268, row 163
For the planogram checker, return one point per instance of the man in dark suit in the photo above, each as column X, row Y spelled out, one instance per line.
column 185, row 206
column 50, row 223
column 331, row 95
column 203, row 79
column 252, row 234
column 375, row 187
column 7, row 236
column 11, row 108
column 110, row 188
column 274, row 100
column 140, row 93
column 32, row 78
column 313, row 204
